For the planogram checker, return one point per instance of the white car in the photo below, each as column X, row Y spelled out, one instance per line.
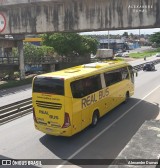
column 158, row 55
column 125, row 55
column 118, row 54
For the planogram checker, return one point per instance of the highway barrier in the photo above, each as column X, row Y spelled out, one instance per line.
column 15, row 110
column 140, row 66
column 24, row 107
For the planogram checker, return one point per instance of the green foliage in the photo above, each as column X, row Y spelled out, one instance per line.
column 15, row 83
column 125, row 34
column 14, row 52
column 145, row 53
column 70, row 44
column 155, row 38
column 35, row 52
column 16, row 74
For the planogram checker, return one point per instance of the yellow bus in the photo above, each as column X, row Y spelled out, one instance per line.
column 67, row 101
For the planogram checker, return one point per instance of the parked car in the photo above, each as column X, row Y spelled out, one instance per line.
column 149, row 67
column 125, row 55
column 158, row 55
column 119, row 54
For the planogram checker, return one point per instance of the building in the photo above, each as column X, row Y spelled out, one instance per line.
column 115, row 44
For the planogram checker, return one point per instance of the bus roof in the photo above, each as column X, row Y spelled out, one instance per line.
column 86, row 69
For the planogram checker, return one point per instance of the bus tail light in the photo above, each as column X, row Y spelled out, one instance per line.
column 66, row 121
column 34, row 116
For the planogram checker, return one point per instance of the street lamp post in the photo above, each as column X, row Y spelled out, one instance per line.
column 108, row 39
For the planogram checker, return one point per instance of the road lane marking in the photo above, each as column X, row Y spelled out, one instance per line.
column 98, row 135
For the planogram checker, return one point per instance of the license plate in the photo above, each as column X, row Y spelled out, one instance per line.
column 49, row 129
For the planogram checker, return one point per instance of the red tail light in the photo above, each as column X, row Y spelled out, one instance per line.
column 66, row 121
column 34, row 116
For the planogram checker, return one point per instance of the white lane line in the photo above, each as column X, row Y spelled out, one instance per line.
column 89, row 142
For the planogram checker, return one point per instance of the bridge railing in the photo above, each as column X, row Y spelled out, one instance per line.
column 38, row 60
column 46, row 60
column 9, row 60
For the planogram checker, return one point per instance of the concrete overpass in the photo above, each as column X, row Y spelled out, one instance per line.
column 18, row 18
column 39, row 16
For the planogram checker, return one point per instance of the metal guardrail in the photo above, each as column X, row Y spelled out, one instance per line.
column 23, row 107
column 15, row 110
column 140, row 66
column 9, row 60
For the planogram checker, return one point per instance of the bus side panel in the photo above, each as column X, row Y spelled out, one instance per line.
column 76, row 116
column 104, row 104
column 119, row 91
column 96, row 101
column 73, row 107
column 131, row 88
column 87, row 116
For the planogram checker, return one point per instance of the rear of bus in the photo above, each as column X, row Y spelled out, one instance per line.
column 48, row 99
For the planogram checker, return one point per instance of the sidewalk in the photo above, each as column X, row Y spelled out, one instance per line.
column 11, row 95
column 143, row 148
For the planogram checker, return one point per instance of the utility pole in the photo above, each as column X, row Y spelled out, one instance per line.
column 139, row 37
column 108, row 39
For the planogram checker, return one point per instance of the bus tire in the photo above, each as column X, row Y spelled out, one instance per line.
column 127, row 97
column 95, row 118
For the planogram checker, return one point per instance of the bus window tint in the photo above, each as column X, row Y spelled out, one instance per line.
column 48, row 85
column 77, row 89
column 86, row 86
column 112, row 77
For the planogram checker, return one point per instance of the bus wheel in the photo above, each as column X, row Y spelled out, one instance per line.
column 127, row 97
column 95, row 118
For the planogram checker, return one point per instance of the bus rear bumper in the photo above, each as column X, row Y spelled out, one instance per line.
column 54, row 131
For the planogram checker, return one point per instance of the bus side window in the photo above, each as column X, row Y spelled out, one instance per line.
column 125, row 73
column 108, row 79
column 77, row 89
column 112, row 77
column 92, row 84
column 96, row 83
column 86, row 86
column 131, row 73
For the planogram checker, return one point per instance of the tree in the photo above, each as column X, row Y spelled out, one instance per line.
column 155, row 38
column 131, row 35
column 125, row 34
column 70, row 44
column 33, row 52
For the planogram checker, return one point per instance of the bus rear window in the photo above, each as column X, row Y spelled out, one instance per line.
column 48, row 85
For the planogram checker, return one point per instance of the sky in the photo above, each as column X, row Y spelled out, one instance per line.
column 120, row 32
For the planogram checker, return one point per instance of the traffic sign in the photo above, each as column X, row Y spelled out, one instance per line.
column 2, row 22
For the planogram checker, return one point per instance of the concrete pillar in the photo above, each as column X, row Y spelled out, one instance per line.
column 2, row 52
column 52, row 67
column 21, row 59
column 8, row 52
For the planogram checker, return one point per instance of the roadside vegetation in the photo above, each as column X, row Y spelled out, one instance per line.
column 144, row 54
column 15, row 83
column 71, row 44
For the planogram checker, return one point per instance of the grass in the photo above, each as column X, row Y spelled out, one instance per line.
column 145, row 53
column 14, row 83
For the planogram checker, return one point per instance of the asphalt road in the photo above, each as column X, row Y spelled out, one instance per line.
column 8, row 96
column 20, row 140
